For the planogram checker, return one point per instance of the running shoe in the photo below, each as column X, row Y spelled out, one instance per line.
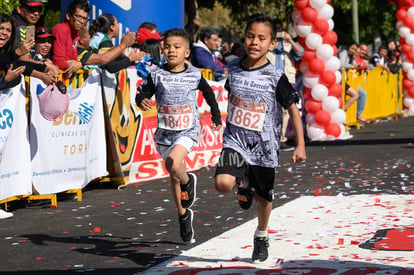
column 245, row 197
column 260, row 249
column 188, row 191
column 186, row 225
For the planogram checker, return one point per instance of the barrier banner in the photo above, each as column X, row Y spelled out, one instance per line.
column 134, row 129
column 70, row 152
column 15, row 168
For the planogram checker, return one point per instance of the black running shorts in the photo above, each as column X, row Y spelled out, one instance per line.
column 262, row 179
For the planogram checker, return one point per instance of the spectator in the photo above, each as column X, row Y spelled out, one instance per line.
column 152, row 57
column 9, row 58
column 394, row 64
column 361, row 63
column 43, row 45
column 103, row 30
column 203, row 53
column 67, row 34
column 145, row 33
column 91, row 56
column 286, row 53
column 378, row 59
column 237, row 51
column 27, row 13
column 346, row 57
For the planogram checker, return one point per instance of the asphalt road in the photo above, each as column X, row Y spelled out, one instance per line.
column 130, row 231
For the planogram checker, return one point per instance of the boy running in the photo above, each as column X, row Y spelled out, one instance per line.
column 175, row 85
column 251, row 141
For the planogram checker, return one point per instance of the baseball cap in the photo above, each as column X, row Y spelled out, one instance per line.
column 44, row 33
column 145, row 34
column 31, row 3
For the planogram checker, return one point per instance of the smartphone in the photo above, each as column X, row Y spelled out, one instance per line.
column 30, row 31
column 280, row 34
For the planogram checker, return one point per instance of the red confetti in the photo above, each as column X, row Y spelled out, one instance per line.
column 318, row 192
column 340, row 241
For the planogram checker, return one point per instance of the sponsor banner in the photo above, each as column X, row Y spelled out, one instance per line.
column 134, row 129
column 15, row 168
column 69, row 152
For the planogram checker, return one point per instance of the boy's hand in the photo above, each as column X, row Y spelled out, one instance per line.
column 299, row 154
column 146, row 104
column 215, row 127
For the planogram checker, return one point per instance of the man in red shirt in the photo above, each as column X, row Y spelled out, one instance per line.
column 67, row 34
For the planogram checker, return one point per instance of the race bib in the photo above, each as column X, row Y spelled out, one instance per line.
column 246, row 114
column 175, row 118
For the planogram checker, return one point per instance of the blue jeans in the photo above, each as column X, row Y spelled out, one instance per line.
column 361, row 101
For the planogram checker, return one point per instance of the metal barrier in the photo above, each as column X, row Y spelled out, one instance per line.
column 384, row 94
column 207, row 73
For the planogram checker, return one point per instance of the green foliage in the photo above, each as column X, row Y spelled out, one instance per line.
column 7, row 6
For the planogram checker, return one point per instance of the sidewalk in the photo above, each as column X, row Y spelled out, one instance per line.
column 329, row 200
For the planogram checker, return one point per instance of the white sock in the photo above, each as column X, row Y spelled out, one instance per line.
column 259, row 233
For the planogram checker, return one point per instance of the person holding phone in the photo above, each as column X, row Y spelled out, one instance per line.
column 27, row 13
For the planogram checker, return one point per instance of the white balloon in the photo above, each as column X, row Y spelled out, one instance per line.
column 331, row 24
column 338, row 75
column 326, row 12
column 408, row 102
column 310, row 80
column 319, row 92
column 398, row 25
column 296, row 15
column 411, row 111
column 317, row 4
column 313, row 41
column 410, row 12
column 325, row 52
column 410, row 39
column 407, row 66
column 339, row 116
column 404, row 31
column 316, row 132
column 410, row 74
column 330, row 104
column 303, row 30
column 333, row 64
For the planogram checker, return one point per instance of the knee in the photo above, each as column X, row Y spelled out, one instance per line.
column 223, row 184
column 172, row 165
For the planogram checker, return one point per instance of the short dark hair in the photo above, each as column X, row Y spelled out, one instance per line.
column 206, row 33
column 4, row 18
column 80, row 4
column 102, row 23
column 178, row 32
column 261, row 18
column 148, row 25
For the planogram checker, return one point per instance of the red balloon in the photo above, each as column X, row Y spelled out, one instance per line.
column 409, row 22
column 406, row 48
column 410, row 56
column 308, row 55
column 335, row 90
column 316, row 66
column 321, row 26
column 301, row 4
column 306, row 93
column 330, row 38
column 410, row 92
column 301, row 40
column 322, row 117
column 335, row 49
column 407, row 84
column 309, row 15
column 312, row 105
column 333, row 129
column 401, row 14
column 327, row 78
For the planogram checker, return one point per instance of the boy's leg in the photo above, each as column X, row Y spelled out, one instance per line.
column 230, row 169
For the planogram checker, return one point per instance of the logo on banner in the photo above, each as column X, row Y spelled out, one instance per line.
column 125, row 119
column 123, row 4
column 397, row 239
column 85, row 112
column 6, row 119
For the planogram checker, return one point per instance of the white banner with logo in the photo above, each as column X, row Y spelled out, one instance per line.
column 15, row 168
column 70, row 152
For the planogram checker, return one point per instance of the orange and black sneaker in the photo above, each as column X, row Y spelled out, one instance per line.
column 188, row 191
column 245, row 197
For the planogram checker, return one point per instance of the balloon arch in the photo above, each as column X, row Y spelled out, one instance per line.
column 321, row 67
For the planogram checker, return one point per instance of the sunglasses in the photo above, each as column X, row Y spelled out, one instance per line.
column 33, row 9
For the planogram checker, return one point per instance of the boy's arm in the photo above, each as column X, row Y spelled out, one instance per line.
column 208, row 94
column 299, row 154
column 145, row 91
